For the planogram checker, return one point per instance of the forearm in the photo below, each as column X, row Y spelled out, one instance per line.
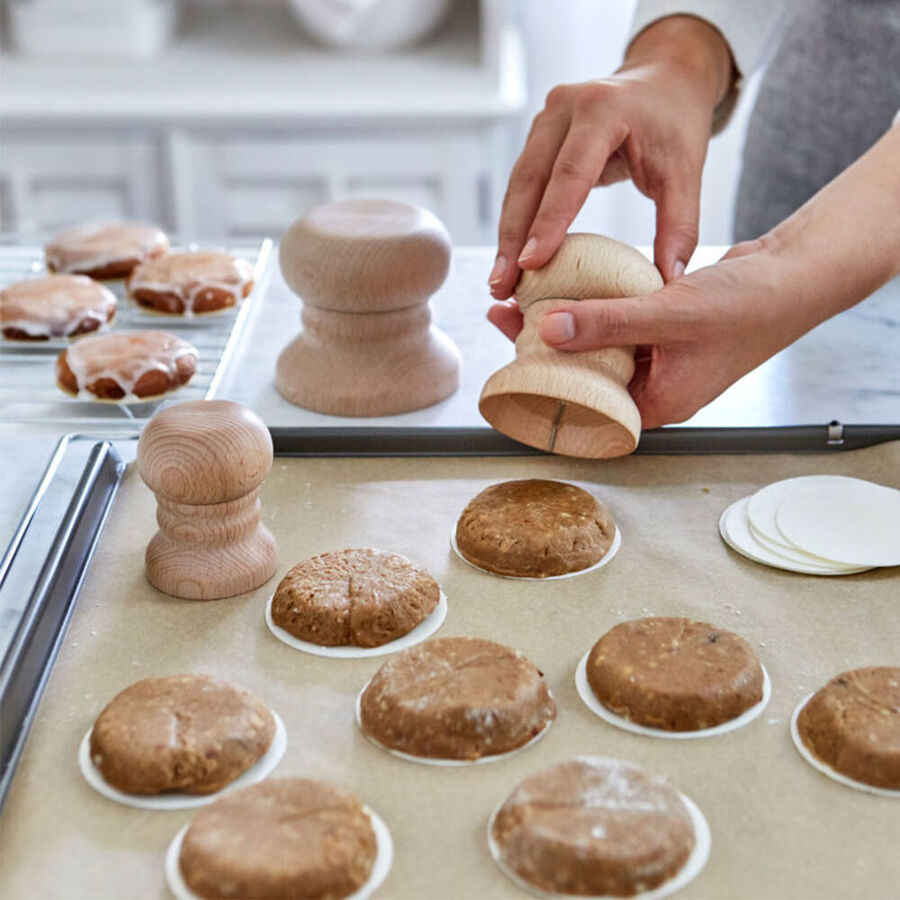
column 844, row 243
column 690, row 50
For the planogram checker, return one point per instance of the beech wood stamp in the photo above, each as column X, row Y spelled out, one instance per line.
column 365, row 270
column 205, row 461
column 574, row 404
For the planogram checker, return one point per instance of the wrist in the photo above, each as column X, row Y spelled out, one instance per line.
column 689, row 49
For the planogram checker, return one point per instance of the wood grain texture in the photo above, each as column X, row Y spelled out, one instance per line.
column 205, row 461
column 574, row 404
column 365, row 270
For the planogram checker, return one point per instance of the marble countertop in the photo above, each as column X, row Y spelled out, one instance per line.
column 846, row 369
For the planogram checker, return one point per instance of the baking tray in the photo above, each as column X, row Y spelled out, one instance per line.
column 52, row 547
column 779, row 828
column 28, row 391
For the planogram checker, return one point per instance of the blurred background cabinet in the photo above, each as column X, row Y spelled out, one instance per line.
column 243, row 123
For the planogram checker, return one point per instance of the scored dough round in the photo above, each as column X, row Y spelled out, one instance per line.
column 534, row 529
column 363, row 598
column 595, row 827
column 852, row 523
column 284, row 837
column 853, row 725
column 456, row 698
column 188, row 733
column 674, row 674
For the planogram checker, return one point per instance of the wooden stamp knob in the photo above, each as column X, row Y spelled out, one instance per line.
column 205, row 461
column 365, row 270
column 575, row 404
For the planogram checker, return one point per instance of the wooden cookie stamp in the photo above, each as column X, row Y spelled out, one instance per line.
column 205, row 461
column 574, row 404
column 365, row 270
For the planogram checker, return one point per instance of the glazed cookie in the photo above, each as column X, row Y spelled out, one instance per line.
column 594, row 827
column 142, row 364
column 534, row 529
column 456, row 698
column 674, row 674
column 191, row 283
column 104, row 251
column 363, row 598
column 57, row 306
column 853, row 725
column 285, row 837
column 188, row 733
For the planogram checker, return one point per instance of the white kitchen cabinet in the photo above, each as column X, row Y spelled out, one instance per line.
column 243, row 125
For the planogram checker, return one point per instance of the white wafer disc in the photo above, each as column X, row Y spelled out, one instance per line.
column 787, row 551
column 765, row 502
column 856, row 524
column 734, row 526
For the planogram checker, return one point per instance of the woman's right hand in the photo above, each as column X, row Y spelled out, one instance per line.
column 650, row 122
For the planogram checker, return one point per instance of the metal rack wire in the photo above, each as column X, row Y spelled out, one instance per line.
column 28, row 391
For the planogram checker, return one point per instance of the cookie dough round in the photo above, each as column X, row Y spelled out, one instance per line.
column 363, row 598
column 853, row 725
column 456, row 698
column 188, row 733
column 284, row 837
column 674, row 674
column 142, row 364
column 104, row 251
column 191, row 283
column 594, row 827
column 57, row 306
column 534, row 528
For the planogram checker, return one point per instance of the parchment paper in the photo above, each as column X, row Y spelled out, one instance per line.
column 779, row 829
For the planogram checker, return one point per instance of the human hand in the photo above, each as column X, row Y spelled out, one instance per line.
column 649, row 122
column 695, row 336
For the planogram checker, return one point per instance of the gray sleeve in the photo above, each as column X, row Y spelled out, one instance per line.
column 746, row 26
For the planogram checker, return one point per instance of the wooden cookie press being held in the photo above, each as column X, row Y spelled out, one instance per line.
column 365, row 270
column 575, row 404
column 205, row 461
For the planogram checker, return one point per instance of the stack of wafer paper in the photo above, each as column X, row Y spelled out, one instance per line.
column 818, row 525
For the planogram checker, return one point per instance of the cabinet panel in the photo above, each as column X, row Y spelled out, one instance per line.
column 54, row 182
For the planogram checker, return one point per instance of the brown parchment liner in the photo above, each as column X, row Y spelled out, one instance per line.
column 779, row 828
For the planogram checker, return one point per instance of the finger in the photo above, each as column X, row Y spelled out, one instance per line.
column 523, row 196
column 507, row 317
column 617, row 169
column 677, row 217
column 593, row 324
column 577, row 169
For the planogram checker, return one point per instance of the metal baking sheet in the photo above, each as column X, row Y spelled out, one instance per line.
column 816, row 838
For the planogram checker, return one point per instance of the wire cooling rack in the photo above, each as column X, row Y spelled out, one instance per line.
column 28, row 391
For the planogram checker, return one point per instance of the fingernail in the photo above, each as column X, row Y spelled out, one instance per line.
column 558, row 327
column 498, row 270
column 528, row 249
column 678, row 269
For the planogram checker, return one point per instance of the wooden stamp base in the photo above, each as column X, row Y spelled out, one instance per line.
column 376, row 364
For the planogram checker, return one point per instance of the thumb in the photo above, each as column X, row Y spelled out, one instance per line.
column 677, row 215
column 593, row 324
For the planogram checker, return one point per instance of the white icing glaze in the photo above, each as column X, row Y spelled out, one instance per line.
column 125, row 358
column 55, row 306
column 91, row 246
column 188, row 275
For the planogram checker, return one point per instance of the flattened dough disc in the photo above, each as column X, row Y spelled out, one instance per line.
column 857, row 524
